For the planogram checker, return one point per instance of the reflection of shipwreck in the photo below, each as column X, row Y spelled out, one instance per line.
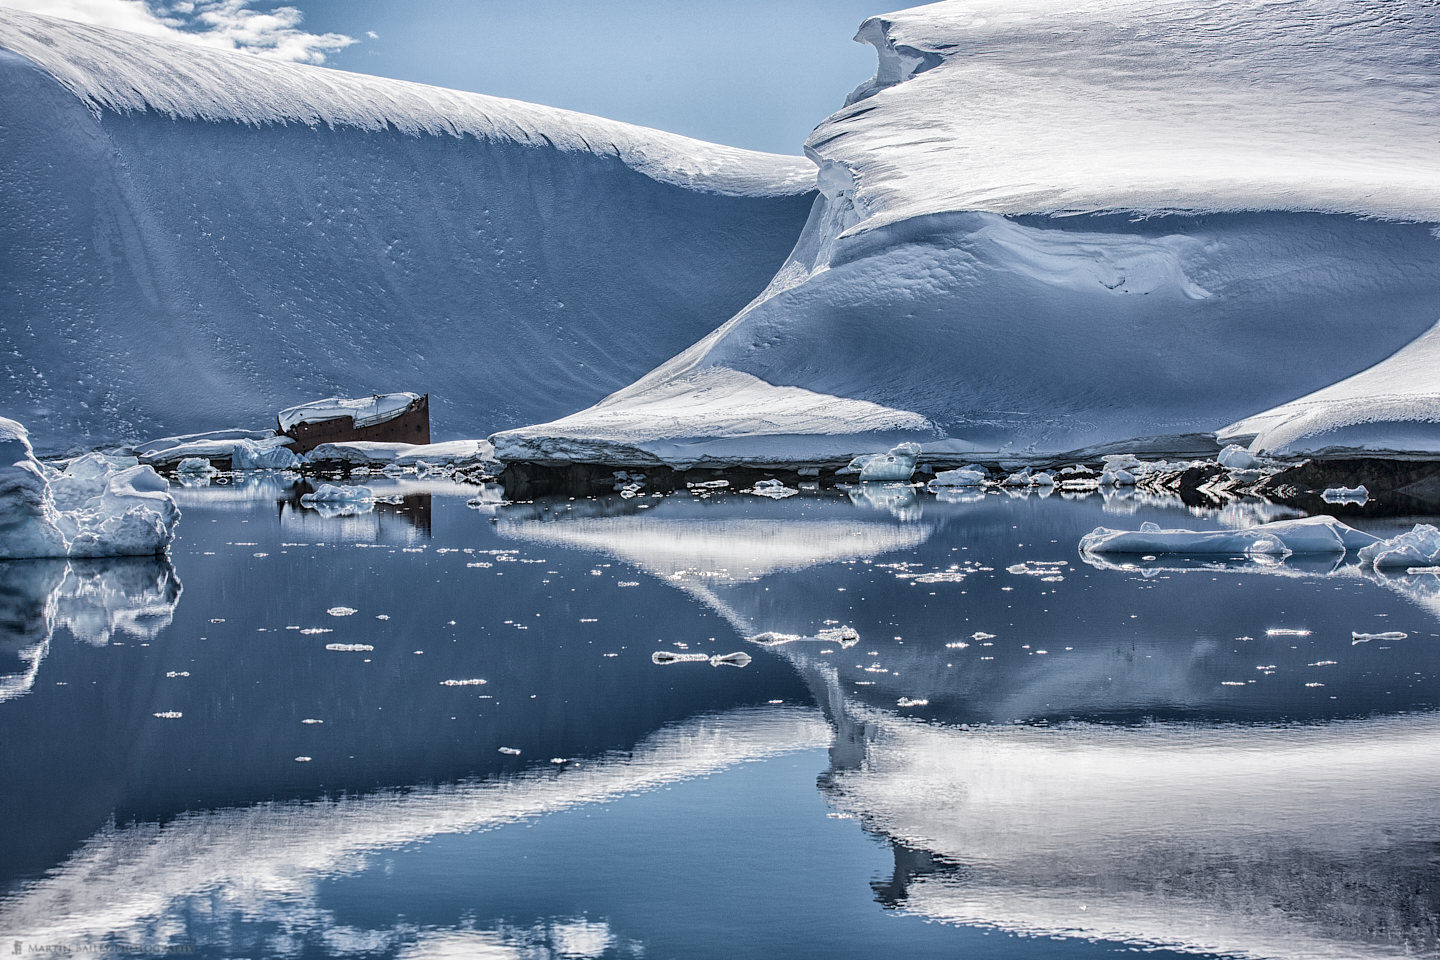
column 376, row 517
column 383, row 417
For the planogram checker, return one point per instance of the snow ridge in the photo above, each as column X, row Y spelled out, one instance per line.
column 117, row 71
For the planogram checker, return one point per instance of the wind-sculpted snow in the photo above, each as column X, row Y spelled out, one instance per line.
column 195, row 239
column 1276, row 162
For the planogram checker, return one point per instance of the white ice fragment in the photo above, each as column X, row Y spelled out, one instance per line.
column 1357, row 494
column 1287, row 632
column 963, row 477
column 510, row 751
column 738, row 659
column 909, row 702
column 1308, row 535
column 349, row 647
column 896, row 465
column 342, row 611
column 169, row 715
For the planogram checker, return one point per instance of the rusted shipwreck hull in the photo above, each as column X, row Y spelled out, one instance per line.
column 408, row 424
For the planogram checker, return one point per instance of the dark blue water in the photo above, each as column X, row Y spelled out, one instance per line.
column 278, row 743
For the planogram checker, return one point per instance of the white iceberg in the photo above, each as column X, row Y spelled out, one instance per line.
column 98, row 506
column 1235, row 457
column 271, row 453
column 773, row 489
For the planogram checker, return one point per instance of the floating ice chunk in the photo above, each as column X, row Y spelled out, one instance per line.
column 738, row 659
column 708, row 485
column 773, row 489
column 349, row 647
column 1357, row 495
column 1357, row 637
column 665, row 656
column 342, row 611
column 1042, row 480
column 1308, row 535
column 272, row 453
column 1419, row 547
column 169, row 715
column 845, row 636
column 909, row 702
column 510, row 751
column 963, row 477
column 1287, row 632
column 1236, row 457
column 469, row 682
column 338, row 493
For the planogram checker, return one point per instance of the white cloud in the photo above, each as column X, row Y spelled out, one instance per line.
column 227, row 24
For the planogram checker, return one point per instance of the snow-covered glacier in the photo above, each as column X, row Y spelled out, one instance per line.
column 194, row 239
column 1055, row 226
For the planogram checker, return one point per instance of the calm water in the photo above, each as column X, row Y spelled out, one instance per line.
column 432, row 730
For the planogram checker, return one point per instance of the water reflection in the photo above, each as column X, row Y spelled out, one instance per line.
column 1198, row 756
column 95, row 600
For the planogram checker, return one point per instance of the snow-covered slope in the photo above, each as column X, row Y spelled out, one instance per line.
column 1259, row 177
column 195, row 238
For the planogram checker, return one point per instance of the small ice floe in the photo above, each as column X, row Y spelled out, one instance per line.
column 311, row 721
column 980, row 635
column 1308, row 535
column 773, row 489
column 311, row 631
column 1358, row 637
column 1357, row 495
column 349, row 647
column 469, row 682
column 510, row 751
column 845, row 637
column 1287, row 632
column 338, row 493
column 708, row 485
column 302, row 759
column 1042, row 479
column 1021, row 478
column 1235, row 457
column 738, row 659
column 665, row 656
column 1419, row 547
column 898, row 465
column 342, row 611
column 909, row 702
column 168, row 715
column 962, row 477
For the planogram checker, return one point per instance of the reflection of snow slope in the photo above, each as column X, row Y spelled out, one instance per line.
column 1292, row 842
column 263, row 859
column 935, row 287
column 266, row 233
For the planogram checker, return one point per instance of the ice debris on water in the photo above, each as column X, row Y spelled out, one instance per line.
column 471, row 682
column 909, row 702
column 961, row 478
column 169, row 715
column 349, row 647
column 342, row 611
column 1358, row 495
column 665, row 656
column 737, row 659
column 773, row 489
column 846, row 637
column 510, row 751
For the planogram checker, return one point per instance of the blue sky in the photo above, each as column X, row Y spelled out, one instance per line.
column 743, row 72
column 747, row 73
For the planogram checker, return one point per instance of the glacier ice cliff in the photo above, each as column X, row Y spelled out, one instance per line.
column 1061, row 226
column 195, row 238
